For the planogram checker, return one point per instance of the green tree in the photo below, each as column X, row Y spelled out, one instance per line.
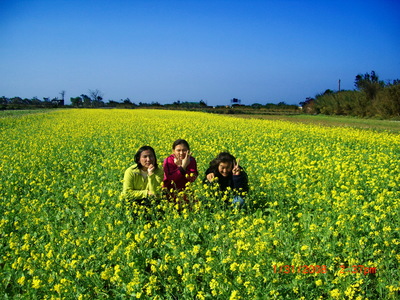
column 87, row 102
column 36, row 101
column 76, row 101
column 4, row 100
column 387, row 102
column 17, row 100
column 369, row 83
column 96, row 97
column 202, row 103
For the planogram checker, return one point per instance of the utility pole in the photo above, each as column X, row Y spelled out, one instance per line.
column 339, row 85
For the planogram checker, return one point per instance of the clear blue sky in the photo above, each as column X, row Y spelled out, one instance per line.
column 257, row 51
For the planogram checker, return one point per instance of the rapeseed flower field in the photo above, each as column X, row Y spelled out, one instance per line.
column 321, row 219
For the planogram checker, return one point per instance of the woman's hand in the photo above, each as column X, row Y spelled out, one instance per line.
column 178, row 161
column 210, row 177
column 186, row 160
column 236, row 168
column 150, row 169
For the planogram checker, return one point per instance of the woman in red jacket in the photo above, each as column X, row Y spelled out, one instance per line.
column 180, row 168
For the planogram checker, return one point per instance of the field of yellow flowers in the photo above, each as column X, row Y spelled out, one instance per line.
column 321, row 220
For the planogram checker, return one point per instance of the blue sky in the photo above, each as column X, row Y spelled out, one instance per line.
column 257, row 51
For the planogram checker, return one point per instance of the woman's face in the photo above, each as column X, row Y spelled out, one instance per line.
column 225, row 168
column 146, row 159
column 180, row 151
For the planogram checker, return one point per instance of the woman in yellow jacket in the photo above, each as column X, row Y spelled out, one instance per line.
column 143, row 180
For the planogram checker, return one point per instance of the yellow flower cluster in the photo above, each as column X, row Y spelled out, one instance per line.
column 318, row 197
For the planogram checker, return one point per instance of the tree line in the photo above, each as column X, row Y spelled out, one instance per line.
column 371, row 97
column 94, row 99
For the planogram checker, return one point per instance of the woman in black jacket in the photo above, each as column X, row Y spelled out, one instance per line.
column 226, row 172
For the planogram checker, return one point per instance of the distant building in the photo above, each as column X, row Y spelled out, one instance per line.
column 235, row 101
column 57, row 102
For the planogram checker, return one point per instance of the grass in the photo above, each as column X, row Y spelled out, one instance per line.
column 392, row 126
column 333, row 121
column 22, row 112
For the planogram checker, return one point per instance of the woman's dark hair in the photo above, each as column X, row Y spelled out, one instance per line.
column 223, row 157
column 139, row 153
column 180, row 142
